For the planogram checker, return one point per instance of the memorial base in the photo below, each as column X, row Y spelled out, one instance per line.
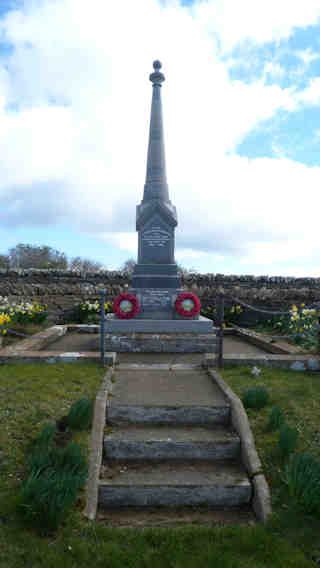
column 160, row 336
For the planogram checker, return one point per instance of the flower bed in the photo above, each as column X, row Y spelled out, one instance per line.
column 24, row 312
column 89, row 312
column 25, row 316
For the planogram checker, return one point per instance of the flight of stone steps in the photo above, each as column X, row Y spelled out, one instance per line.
column 169, row 442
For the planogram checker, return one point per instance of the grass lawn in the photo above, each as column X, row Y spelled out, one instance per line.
column 32, row 395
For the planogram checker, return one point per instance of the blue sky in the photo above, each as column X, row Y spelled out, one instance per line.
column 242, row 124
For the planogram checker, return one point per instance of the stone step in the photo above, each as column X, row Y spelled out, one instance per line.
column 175, row 517
column 118, row 414
column 162, row 442
column 173, row 484
column 163, row 387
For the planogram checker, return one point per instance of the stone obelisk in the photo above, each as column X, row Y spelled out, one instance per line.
column 158, row 325
column 156, row 281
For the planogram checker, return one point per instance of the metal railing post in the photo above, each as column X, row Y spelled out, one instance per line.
column 102, row 324
column 220, row 318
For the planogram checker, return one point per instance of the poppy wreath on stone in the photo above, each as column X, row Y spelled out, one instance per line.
column 187, row 305
column 126, row 306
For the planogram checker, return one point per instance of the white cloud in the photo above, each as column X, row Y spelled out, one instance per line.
column 234, row 21
column 274, row 70
column 307, row 55
column 74, row 123
column 311, row 94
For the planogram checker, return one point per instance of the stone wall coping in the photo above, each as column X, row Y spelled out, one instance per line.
column 193, row 276
column 261, row 501
column 55, row 357
column 293, row 362
column 96, row 445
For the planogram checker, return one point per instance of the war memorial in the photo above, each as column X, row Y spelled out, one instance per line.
column 156, row 314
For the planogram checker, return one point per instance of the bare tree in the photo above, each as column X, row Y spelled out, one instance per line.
column 4, row 261
column 184, row 271
column 33, row 256
column 129, row 265
column 85, row 264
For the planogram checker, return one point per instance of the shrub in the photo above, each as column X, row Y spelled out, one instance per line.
column 302, row 477
column 255, row 397
column 276, row 418
column 288, row 438
column 80, row 414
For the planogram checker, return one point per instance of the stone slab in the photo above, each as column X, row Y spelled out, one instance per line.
column 168, row 414
column 164, row 450
column 175, row 517
column 163, row 388
column 173, row 433
column 202, row 325
column 125, row 344
column 174, row 485
column 163, row 442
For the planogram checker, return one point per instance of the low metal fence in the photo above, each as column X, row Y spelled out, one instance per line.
column 220, row 303
column 220, row 311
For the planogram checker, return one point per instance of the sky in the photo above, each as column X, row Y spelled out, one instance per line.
column 241, row 117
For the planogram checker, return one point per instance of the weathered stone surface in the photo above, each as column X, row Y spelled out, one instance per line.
column 202, row 325
column 116, row 414
column 158, row 442
column 177, row 485
column 136, row 342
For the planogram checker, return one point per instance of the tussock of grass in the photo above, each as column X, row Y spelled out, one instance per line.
column 80, row 414
column 255, row 397
column 302, row 477
column 276, row 418
column 288, row 438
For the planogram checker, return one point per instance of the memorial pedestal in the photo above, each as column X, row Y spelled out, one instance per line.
column 156, row 336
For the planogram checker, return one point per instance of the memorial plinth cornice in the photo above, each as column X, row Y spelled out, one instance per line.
column 146, row 210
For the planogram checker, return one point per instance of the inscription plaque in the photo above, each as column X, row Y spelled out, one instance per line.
column 155, row 237
column 156, row 242
column 156, row 300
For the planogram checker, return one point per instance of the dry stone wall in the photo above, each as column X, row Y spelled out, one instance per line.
column 62, row 290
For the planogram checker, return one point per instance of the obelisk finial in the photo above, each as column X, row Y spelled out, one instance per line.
column 156, row 179
column 157, row 77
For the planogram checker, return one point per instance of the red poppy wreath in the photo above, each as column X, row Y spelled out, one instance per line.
column 126, row 306
column 187, row 305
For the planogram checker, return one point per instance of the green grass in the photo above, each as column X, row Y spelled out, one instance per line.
column 33, row 395
column 298, row 394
